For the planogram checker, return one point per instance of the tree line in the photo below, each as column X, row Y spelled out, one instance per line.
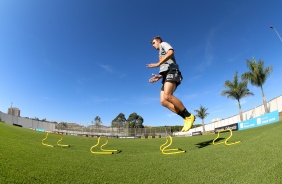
column 133, row 121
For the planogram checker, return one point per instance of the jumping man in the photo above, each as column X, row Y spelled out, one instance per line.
column 171, row 78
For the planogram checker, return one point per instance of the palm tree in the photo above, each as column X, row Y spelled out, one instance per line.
column 257, row 76
column 236, row 90
column 202, row 113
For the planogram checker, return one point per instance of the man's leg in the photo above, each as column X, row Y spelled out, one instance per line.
column 170, row 101
column 175, row 105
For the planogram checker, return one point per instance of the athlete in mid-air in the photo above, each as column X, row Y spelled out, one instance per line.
column 171, row 78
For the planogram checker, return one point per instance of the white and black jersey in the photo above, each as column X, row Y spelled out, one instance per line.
column 169, row 64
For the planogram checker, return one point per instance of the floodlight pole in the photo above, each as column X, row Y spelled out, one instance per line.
column 271, row 27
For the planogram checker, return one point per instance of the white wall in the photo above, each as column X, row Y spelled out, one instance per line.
column 274, row 104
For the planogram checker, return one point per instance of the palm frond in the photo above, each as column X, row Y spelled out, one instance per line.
column 202, row 112
column 257, row 74
column 236, row 89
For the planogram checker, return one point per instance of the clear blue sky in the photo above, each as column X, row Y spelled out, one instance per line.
column 73, row 60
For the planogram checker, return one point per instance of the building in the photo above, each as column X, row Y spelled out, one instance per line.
column 14, row 111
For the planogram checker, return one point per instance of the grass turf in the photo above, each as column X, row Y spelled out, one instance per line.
column 257, row 159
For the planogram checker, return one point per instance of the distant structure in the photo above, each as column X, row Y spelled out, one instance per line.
column 216, row 120
column 14, row 111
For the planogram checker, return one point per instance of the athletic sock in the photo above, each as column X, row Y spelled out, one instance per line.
column 185, row 113
column 180, row 114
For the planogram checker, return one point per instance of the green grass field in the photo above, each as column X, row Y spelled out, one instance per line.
column 257, row 159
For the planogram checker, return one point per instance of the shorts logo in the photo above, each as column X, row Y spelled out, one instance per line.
column 169, row 76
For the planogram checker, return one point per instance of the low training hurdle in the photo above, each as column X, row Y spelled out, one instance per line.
column 103, row 151
column 166, row 151
column 226, row 140
column 63, row 145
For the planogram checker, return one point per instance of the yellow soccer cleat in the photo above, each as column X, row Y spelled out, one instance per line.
column 184, row 127
column 188, row 122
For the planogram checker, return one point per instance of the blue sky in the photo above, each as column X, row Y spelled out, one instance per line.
column 73, row 60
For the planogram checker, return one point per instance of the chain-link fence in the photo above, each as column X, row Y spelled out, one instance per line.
column 117, row 132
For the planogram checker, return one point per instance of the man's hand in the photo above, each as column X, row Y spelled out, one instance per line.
column 155, row 78
column 168, row 55
column 152, row 65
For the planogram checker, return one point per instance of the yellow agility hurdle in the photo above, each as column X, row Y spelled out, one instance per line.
column 63, row 145
column 166, row 151
column 226, row 140
column 103, row 151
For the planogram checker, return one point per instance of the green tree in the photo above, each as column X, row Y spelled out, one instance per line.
column 202, row 113
column 236, row 90
column 97, row 122
column 135, row 121
column 119, row 121
column 257, row 76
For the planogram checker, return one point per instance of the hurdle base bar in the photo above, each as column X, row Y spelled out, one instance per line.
column 226, row 140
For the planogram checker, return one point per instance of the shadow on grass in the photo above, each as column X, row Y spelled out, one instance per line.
column 207, row 143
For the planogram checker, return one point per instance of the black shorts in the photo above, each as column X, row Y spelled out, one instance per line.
column 172, row 75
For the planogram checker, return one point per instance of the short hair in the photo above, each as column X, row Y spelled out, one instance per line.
column 157, row 38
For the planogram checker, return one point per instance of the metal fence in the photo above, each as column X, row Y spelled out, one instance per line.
column 117, row 132
column 274, row 104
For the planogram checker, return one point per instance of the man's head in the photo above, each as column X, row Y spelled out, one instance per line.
column 156, row 41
